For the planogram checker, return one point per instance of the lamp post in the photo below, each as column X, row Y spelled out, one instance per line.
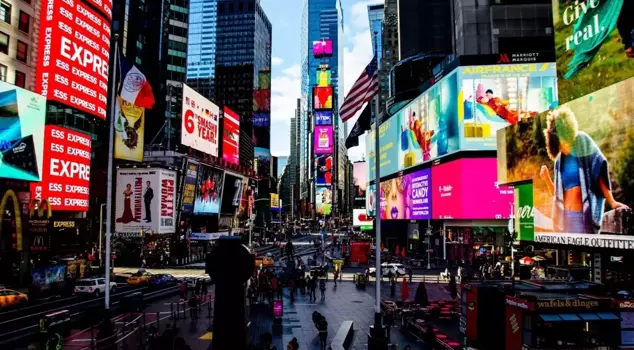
column 101, row 233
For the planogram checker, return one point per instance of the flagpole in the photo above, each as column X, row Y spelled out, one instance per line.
column 113, row 101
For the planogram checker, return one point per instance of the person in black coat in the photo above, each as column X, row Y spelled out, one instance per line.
column 148, row 195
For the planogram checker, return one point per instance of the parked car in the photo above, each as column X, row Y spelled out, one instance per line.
column 93, row 286
column 397, row 269
column 140, row 277
column 163, row 279
column 12, row 298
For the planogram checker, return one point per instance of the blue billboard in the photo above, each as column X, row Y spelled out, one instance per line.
column 323, row 117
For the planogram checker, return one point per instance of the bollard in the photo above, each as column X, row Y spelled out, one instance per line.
column 209, row 309
column 141, row 334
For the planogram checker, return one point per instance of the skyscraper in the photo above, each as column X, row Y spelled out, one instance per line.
column 201, row 46
column 376, row 15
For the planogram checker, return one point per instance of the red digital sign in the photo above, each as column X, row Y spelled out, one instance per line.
column 74, row 52
column 231, row 136
column 66, row 169
column 322, row 97
column 105, row 6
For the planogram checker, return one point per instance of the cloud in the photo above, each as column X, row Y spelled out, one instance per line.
column 359, row 13
column 285, row 90
column 276, row 61
column 280, row 140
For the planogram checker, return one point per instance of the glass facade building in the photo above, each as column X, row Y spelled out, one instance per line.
column 201, row 46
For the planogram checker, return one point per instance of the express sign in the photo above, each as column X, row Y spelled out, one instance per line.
column 74, row 51
column 66, row 170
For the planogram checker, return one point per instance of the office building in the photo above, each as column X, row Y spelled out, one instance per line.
column 376, row 15
column 17, row 45
column 389, row 39
column 201, row 46
column 423, row 27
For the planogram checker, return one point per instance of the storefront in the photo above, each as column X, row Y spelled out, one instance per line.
column 474, row 242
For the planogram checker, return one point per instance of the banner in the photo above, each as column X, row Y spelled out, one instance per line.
column 324, row 141
column 130, row 131
column 190, row 187
column 231, row 136
column 360, row 218
column 232, row 193
column 324, row 200
column 208, row 190
column 145, row 200
column 370, row 201
column 275, row 201
column 199, row 129
column 359, row 179
column 323, row 168
column 524, row 213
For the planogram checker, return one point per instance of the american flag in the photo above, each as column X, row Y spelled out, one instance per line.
column 363, row 90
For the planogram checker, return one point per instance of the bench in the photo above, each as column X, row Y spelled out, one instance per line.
column 343, row 338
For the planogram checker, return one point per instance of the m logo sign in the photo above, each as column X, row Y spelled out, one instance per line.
column 40, row 243
column 38, row 207
column 504, row 58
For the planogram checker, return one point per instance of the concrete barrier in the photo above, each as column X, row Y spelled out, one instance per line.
column 344, row 336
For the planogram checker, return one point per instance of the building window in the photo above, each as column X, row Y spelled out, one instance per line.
column 21, row 54
column 4, row 43
column 5, row 12
column 20, row 79
column 3, row 72
column 25, row 22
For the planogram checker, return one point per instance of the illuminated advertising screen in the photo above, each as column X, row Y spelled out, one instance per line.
column 360, row 218
column 360, row 178
column 22, row 117
column 199, row 129
column 231, row 137
column 129, row 131
column 425, row 129
column 261, row 119
column 262, row 100
column 145, row 200
column 593, row 43
column 468, row 189
column 209, row 185
column 66, row 172
column 322, row 97
column 232, row 193
column 324, row 200
column 263, row 161
column 105, row 6
column 73, row 55
column 323, row 140
column 323, row 77
column 495, row 96
column 261, row 134
column 189, row 193
column 323, row 117
column 322, row 48
column 264, row 80
column 323, row 167
column 580, row 154
column 370, row 201
column 406, row 197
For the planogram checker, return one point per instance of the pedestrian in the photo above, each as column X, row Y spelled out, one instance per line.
column 193, row 307
column 322, row 327
column 274, row 283
column 204, row 288
column 392, row 287
column 389, row 322
column 302, row 284
column 340, row 273
column 183, row 290
column 335, row 275
column 266, row 342
column 322, row 288
column 292, row 345
column 291, row 287
column 411, row 273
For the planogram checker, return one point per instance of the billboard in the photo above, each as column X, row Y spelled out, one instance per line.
column 248, row 198
column 359, row 178
column 262, row 100
column 261, row 119
column 275, row 201
column 360, row 218
column 323, row 77
column 209, row 185
column 324, row 142
column 199, row 129
column 323, row 117
column 406, row 197
column 427, row 128
column 22, row 117
column 322, row 48
column 130, row 131
column 370, row 201
column 467, row 188
column 323, row 167
column 263, row 159
column 323, row 200
column 231, row 136
column 524, row 213
column 66, row 172
column 593, row 43
column 73, row 56
column 262, row 131
column 189, row 193
column 581, row 155
column 232, row 193
column 264, row 80
column 145, row 200
column 322, row 97
column 495, row 96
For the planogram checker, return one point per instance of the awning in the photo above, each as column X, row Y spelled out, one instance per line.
column 586, row 316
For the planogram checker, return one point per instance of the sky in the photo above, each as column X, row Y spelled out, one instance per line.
column 286, row 16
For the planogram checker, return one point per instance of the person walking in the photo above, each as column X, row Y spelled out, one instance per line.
column 292, row 345
column 291, row 287
column 411, row 274
column 322, row 288
column 392, row 287
column 322, row 327
column 193, row 307
column 204, row 290
column 335, row 275
column 183, row 290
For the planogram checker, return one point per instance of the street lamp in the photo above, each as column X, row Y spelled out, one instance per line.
column 103, row 205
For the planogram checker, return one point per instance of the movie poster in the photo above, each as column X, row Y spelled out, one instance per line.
column 209, row 185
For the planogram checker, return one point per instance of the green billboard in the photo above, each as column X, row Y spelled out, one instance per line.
column 524, row 213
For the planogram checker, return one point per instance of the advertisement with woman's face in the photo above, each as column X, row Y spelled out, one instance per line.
column 580, row 158
column 370, row 201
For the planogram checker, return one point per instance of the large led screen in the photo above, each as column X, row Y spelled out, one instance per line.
column 425, row 129
column 199, row 129
column 231, row 136
column 323, row 77
column 580, row 158
column 468, row 189
column 593, row 43
column 322, row 97
column 324, row 142
column 232, row 193
column 65, row 181
column 406, row 197
column 263, row 161
column 323, row 117
column 495, row 96
column 359, row 178
column 322, row 48
column 262, row 100
column 209, row 185
column 324, row 200
column 323, row 168
column 261, row 134
column 73, row 55
column 189, row 193
column 370, row 201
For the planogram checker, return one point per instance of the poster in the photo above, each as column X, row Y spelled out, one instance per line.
column 324, row 142
column 263, row 161
column 406, row 197
column 324, row 200
column 189, row 195
column 209, row 185
column 231, row 137
column 232, row 193
column 323, row 167
column 359, row 179
column 145, row 200
column 524, row 213
column 129, row 131
column 199, row 129
column 322, row 117
column 370, row 201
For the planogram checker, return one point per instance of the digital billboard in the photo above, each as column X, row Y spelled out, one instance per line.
column 22, row 117
column 359, row 178
column 73, row 55
column 262, row 100
column 360, row 218
column 264, row 80
column 324, row 143
column 65, row 181
column 323, row 77
column 261, row 134
column 425, row 129
column 322, row 97
column 145, row 200
column 261, row 119
column 199, row 129
column 189, row 193
column 129, row 131
column 406, row 197
column 580, row 158
column 495, row 96
column 323, row 200
column 209, row 185
column 323, row 167
column 370, row 201
column 323, row 117
column 231, row 136
column 232, row 193
column 593, row 43
column 322, row 48
column 263, row 161
column 467, row 188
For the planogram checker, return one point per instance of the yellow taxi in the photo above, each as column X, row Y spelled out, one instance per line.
column 264, row 261
column 12, row 298
column 140, row 278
